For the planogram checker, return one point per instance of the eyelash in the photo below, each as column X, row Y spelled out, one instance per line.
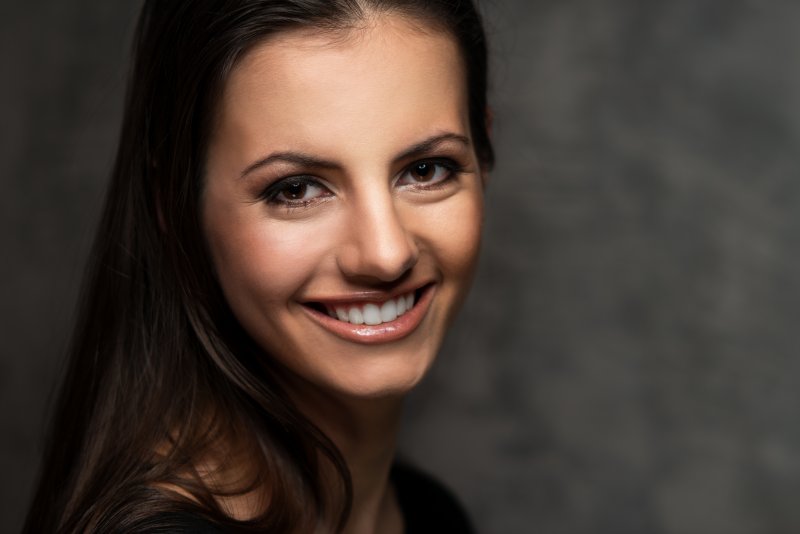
column 272, row 192
column 450, row 166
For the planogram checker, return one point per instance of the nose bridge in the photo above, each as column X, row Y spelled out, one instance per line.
column 378, row 244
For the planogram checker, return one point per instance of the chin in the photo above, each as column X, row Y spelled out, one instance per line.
column 378, row 376
column 382, row 385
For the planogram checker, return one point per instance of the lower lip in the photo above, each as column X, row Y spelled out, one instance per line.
column 381, row 333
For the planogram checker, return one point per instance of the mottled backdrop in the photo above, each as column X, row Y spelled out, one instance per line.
column 628, row 361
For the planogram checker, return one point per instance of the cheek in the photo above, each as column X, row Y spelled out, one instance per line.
column 462, row 232
column 454, row 234
column 261, row 264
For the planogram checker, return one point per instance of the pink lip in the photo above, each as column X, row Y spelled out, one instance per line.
column 382, row 333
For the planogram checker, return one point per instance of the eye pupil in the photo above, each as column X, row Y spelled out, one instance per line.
column 295, row 190
column 423, row 170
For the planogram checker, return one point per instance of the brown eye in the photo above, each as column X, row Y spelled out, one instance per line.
column 295, row 190
column 429, row 172
column 422, row 171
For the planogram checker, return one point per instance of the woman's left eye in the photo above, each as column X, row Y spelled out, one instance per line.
column 428, row 173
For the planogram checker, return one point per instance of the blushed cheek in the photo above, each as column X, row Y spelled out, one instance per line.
column 459, row 236
column 262, row 265
column 465, row 229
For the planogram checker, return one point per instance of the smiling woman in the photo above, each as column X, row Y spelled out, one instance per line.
column 363, row 205
column 292, row 224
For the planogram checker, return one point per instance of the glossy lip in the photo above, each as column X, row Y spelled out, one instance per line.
column 381, row 333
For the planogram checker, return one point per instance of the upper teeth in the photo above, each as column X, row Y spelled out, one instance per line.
column 372, row 313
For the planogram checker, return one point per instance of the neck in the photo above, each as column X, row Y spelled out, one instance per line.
column 365, row 432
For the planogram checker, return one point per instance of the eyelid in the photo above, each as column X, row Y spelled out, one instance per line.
column 272, row 190
column 451, row 166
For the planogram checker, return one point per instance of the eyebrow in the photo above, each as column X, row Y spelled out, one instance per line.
column 432, row 143
column 307, row 160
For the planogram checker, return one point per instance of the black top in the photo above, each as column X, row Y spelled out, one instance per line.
column 427, row 506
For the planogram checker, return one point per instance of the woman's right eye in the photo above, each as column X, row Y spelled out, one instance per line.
column 295, row 191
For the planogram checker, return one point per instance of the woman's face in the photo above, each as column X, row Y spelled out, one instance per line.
column 342, row 184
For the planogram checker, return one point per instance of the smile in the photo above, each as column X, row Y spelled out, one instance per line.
column 372, row 313
column 373, row 321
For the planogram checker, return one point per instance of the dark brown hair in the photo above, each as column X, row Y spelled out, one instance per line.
column 159, row 371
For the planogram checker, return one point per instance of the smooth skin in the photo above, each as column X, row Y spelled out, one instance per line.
column 341, row 170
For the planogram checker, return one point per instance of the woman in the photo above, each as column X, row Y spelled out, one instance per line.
column 292, row 223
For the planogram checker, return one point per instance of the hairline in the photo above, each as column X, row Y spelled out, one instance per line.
column 338, row 32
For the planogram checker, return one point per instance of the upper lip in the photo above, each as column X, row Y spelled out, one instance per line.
column 368, row 295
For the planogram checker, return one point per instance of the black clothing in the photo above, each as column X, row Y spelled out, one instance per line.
column 426, row 505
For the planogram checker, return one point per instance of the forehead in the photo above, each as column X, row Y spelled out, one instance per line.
column 322, row 88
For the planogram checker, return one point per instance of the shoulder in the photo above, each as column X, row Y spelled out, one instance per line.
column 426, row 504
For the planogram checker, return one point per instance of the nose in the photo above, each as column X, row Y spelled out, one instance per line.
column 378, row 245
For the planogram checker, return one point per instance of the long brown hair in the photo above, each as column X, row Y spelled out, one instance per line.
column 159, row 371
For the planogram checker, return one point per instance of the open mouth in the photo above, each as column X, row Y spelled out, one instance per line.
column 371, row 313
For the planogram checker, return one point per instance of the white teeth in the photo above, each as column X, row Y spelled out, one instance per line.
column 373, row 313
column 388, row 311
column 355, row 316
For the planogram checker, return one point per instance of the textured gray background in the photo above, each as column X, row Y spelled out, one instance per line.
column 628, row 360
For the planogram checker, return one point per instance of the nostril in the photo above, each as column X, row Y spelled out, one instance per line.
column 378, row 246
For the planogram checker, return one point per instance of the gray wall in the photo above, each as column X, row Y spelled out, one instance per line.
column 627, row 361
